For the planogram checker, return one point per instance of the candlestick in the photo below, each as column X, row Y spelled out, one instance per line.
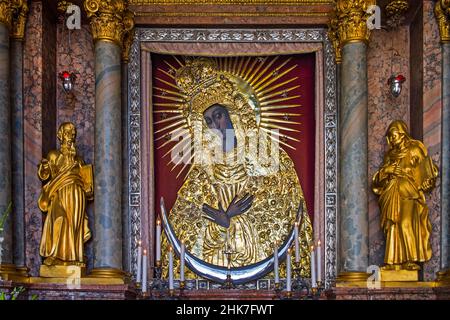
column 182, row 254
column 144, row 272
column 313, row 269
column 139, row 263
column 158, row 240
column 288, row 271
column 297, row 252
column 275, row 265
column 170, row 268
column 319, row 262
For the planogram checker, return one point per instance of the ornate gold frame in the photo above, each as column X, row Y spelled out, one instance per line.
column 231, row 2
column 141, row 203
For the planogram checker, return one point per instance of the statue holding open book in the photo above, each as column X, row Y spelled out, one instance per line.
column 69, row 184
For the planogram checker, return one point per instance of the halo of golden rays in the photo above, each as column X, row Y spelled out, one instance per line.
column 273, row 101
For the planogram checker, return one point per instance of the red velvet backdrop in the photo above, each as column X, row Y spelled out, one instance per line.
column 166, row 183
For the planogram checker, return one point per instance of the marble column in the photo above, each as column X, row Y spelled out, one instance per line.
column 108, row 156
column 445, row 162
column 18, row 197
column 350, row 36
column 353, row 176
column 442, row 10
column 6, row 247
column 110, row 21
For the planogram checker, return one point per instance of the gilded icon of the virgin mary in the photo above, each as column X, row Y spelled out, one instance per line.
column 241, row 192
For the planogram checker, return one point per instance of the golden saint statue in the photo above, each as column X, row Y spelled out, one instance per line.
column 236, row 197
column 63, row 198
column 406, row 175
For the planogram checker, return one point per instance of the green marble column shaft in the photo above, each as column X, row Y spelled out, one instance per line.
column 445, row 163
column 17, row 150
column 6, row 256
column 108, row 156
column 353, row 177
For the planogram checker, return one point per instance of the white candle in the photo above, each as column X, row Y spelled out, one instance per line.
column 139, row 263
column 144, row 272
column 319, row 262
column 313, row 269
column 297, row 252
column 288, row 271
column 275, row 264
column 170, row 268
column 158, row 240
column 182, row 254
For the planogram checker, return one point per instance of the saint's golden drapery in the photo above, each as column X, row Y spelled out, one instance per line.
column 247, row 199
column 406, row 175
column 63, row 198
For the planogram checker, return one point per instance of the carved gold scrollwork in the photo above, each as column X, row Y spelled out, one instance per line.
column 128, row 37
column 395, row 11
column 9, row 9
column 348, row 23
column 110, row 19
column 333, row 35
column 442, row 13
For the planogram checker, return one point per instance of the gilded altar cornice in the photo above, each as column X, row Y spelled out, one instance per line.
column 8, row 10
column 229, row 2
column 442, row 13
column 110, row 20
column 348, row 23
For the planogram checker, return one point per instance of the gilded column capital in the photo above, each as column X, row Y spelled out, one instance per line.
column 110, row 19
column 19, row 21
column 8, row 9
column 442, row 13
column 348, row 23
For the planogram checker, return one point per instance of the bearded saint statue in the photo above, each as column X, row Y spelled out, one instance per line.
column 63, row 198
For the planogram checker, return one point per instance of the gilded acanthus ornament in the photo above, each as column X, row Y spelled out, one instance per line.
column 9, row 9
column 353, row 15
column 110, row 20
column 348, row 23
column 442, row 13
column 62, row 6
column 128, row 37
column 63, row 199
column 19, row 21
column 333, row 35
column 407, row 174
column 395, row 11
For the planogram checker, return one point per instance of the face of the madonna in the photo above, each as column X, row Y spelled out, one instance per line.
column 395, row 138
column 218, row 119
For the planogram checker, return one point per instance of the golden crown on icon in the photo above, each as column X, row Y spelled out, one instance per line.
column 196, row 74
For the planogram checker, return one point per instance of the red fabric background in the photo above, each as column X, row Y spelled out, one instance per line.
column 166, row 184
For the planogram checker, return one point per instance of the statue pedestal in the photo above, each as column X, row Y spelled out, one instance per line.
column 399, row 275
column 77, row 275
column 73, row 272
